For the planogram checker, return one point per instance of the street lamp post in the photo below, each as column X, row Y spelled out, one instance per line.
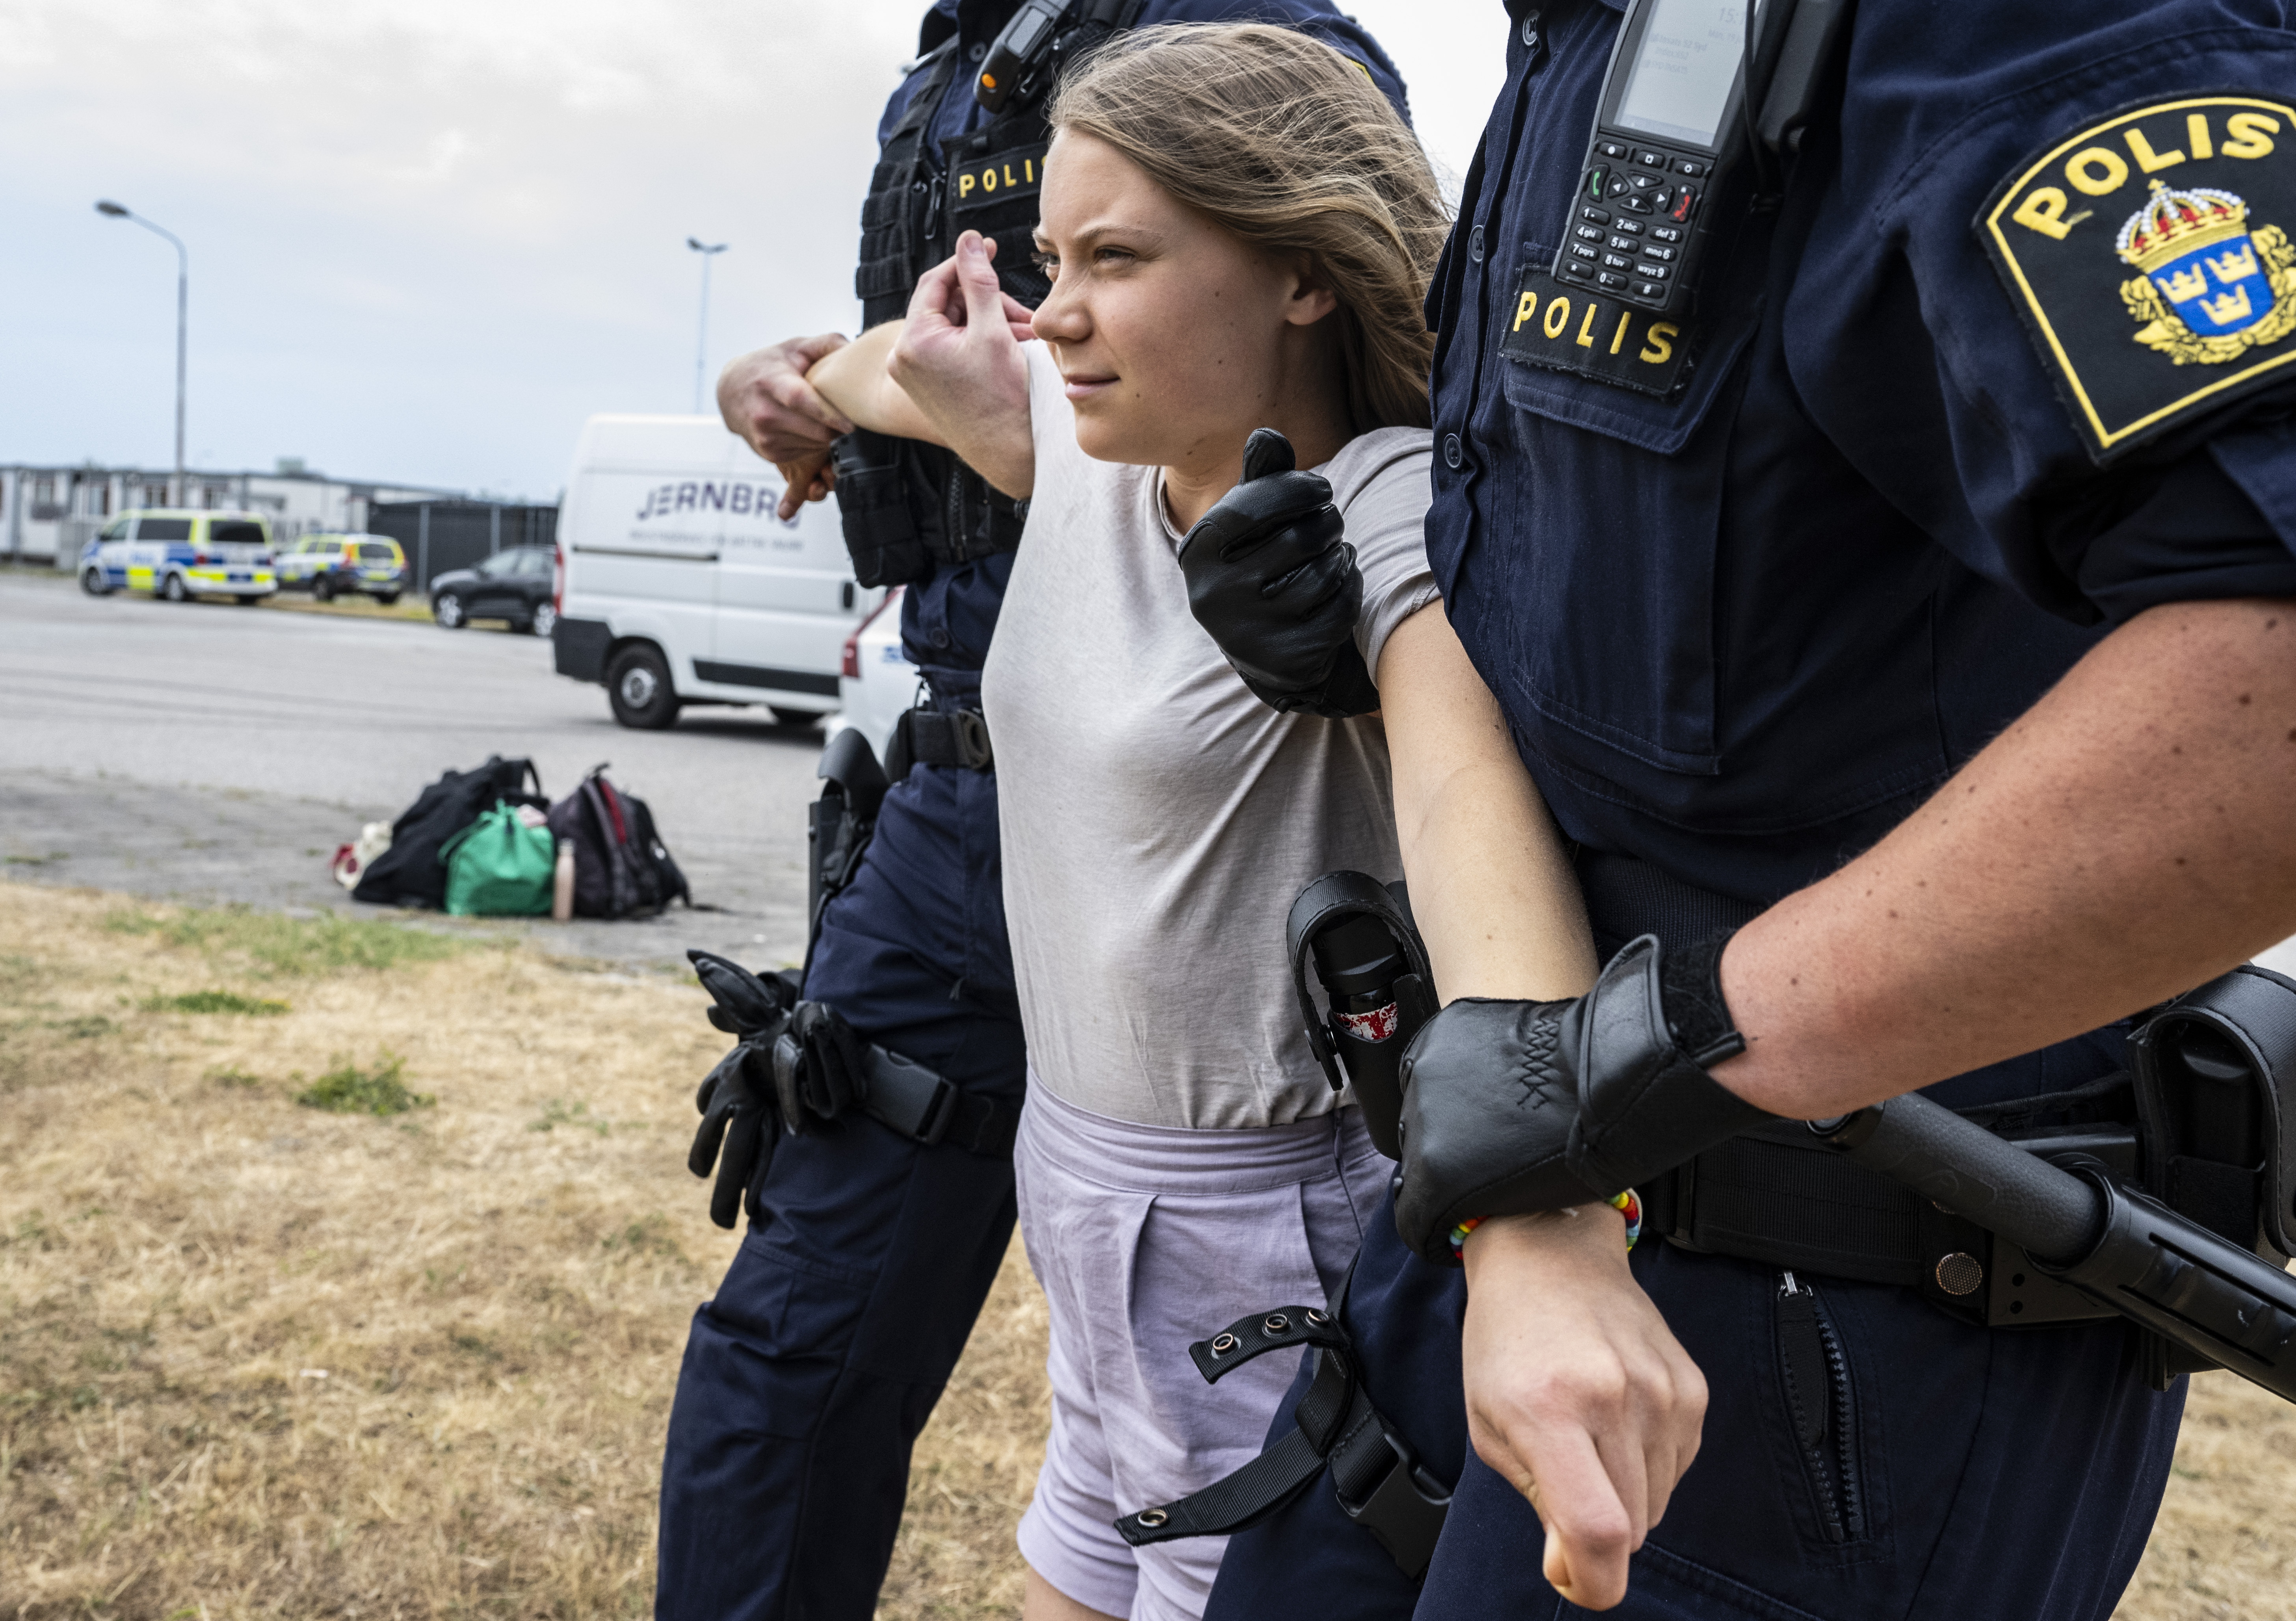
column 178, row 495
column 701, row 343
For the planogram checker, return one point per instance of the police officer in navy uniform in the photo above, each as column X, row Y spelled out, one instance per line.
column 868, row 1253
column 1906, row 637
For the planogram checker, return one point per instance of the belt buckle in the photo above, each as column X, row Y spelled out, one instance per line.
column 1405, row 1511
column 972, row 733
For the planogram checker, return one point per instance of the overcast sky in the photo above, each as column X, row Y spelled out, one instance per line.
column 429, row 237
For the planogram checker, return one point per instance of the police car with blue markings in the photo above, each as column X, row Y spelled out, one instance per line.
column 177, row 554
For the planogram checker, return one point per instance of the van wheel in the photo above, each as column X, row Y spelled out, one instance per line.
column 388, row 598
column 249, row 600
column 446, row 608
column 638, row 687
column 174, row 590
column 794, row 717
column 91, row 582
column 324, row 589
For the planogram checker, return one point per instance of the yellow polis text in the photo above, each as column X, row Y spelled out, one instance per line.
column 2099, row 171
column 996, row 178
column 1658, row 346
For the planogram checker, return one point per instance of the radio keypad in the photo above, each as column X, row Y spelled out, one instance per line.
column 1633, row 243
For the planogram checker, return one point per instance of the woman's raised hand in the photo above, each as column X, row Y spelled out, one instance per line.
column 958, row 359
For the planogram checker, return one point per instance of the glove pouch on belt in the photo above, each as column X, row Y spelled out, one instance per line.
column 2220, row 1144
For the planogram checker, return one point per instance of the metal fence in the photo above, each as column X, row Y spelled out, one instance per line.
column 439, row 536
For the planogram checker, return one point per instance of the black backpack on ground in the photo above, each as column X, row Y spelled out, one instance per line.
column 410, row 874
column 621, row 867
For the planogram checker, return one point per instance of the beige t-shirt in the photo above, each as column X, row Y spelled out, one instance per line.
column 1158, row 819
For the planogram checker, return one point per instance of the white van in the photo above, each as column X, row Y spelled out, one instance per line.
column 677, row 585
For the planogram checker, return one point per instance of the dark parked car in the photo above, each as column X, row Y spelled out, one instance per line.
column 516, row 585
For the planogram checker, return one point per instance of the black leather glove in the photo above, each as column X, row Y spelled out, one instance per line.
column 1271, row 580
column 1511, row 1107
column 821, row 1066
column 735, row 1099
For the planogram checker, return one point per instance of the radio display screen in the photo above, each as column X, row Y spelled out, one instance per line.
column 1681, row 73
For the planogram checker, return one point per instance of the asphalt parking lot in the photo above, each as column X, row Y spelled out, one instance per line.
column 210, row 752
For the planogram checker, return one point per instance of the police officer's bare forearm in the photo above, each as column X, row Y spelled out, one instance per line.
column 2124, row 841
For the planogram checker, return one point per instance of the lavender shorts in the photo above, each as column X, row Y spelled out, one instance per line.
column 1146, row 1237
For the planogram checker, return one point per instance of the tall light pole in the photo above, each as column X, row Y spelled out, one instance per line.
column 701, row 344
column 178, row 495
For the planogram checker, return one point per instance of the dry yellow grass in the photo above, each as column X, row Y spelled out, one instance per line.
column 496, row 1289
column 258, row 1360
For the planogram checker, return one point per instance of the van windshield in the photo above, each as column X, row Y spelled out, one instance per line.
column 238, row 533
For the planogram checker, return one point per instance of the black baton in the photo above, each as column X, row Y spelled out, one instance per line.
column 2123, row 1249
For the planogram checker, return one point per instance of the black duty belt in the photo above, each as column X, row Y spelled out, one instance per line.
column 939, row 737
column 1777, row 1197
column 929, row 1107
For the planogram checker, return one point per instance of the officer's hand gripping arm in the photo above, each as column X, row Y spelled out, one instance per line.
column 1516, row 1107
column 768, row 403
column 1273, row 583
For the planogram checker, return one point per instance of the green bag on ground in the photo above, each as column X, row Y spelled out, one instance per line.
column 499, row 867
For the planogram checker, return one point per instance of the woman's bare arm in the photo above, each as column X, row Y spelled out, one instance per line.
column 1577, row 1391
column 857, row 381
column 1490, row 886
column 951, row 373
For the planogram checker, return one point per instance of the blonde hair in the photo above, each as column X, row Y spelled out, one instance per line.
column 1283, row 141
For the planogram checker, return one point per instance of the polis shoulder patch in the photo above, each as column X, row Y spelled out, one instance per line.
column 2149, row 255
column 1573, row 329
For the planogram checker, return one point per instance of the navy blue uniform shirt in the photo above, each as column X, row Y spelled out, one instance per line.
column 946, row 619
column 1743, row 630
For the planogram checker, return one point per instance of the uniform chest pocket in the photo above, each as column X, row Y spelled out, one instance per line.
column 1610, row 538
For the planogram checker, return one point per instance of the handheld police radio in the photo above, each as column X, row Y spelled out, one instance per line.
column 1676, row 119
column 1374, row 966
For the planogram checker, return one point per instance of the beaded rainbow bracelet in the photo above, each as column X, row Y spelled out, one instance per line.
column 1628, row 1203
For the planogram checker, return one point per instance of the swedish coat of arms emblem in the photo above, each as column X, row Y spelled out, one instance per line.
column 2211, row 287
column 2171, row 214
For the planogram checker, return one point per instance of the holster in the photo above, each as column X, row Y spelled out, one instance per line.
column 839, row 823
column 1373, row 1058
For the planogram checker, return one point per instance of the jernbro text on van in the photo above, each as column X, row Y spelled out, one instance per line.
column 668, row 498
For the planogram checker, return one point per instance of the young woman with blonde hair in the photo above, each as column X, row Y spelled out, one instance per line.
column 1239, row 231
